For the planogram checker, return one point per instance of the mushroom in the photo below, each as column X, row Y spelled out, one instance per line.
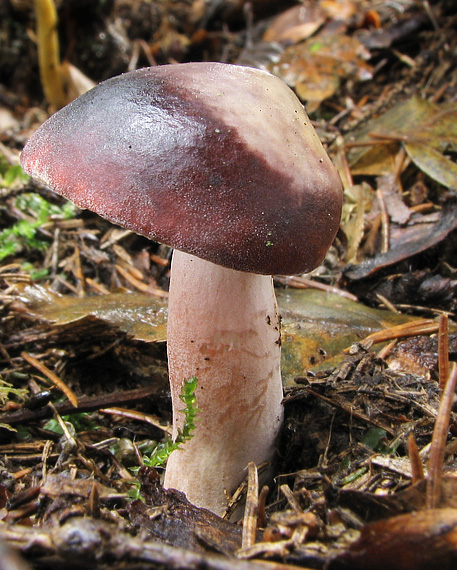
column 221, row 163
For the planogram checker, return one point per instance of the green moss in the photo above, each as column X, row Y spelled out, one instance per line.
column 24, row 234
column 163, row 450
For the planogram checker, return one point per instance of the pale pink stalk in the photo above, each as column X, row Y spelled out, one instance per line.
column 223, row 327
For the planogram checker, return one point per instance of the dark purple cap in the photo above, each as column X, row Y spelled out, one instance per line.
column 216, row 160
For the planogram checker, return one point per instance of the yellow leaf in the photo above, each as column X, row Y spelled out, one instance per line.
column 433, row 163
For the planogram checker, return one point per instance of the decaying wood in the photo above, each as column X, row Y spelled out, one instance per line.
column 90, row 541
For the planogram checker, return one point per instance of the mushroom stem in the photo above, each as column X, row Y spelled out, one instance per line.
column 223, row 327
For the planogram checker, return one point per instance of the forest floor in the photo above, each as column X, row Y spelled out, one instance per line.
column 367, row 464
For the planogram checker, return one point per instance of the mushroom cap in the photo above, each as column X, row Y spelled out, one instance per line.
column 216, row 160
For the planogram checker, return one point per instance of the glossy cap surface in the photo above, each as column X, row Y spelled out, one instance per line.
column 213, row 159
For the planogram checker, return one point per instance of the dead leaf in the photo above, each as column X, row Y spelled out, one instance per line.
column 359, row 204
column 424, row 128
column 139, row 315
column 318, row 326
column 398, row 211
column 316, row 67
column 295, row 24
column 425, row 233
column 433, row 163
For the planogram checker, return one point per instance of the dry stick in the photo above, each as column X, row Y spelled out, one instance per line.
column 414, row 328
column 443, row 350
column 381, row 138
column 86, row 404
column 384, row 221
column 53, row 377
column 98, row 287
column 140, row 416
column 129, row 267
column 250, row 511
column 78, row 272
column 261, row 508
column 303, row 283
column 401, row 161
column 143, row 287
column 159, row 260
column 430, row 14
column 362, row 144
column 350, row 410
column 417, row 471
column 94, row 501
column 346, row 174
column 63, row 426
column 44, row 460
column 48, row 53
column 112, row 237
column 234, row 500
column 384, row 352
column 290, row 497
column 436, row 459
column 387, row 303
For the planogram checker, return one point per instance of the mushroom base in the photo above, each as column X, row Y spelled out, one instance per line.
column 223, row 328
